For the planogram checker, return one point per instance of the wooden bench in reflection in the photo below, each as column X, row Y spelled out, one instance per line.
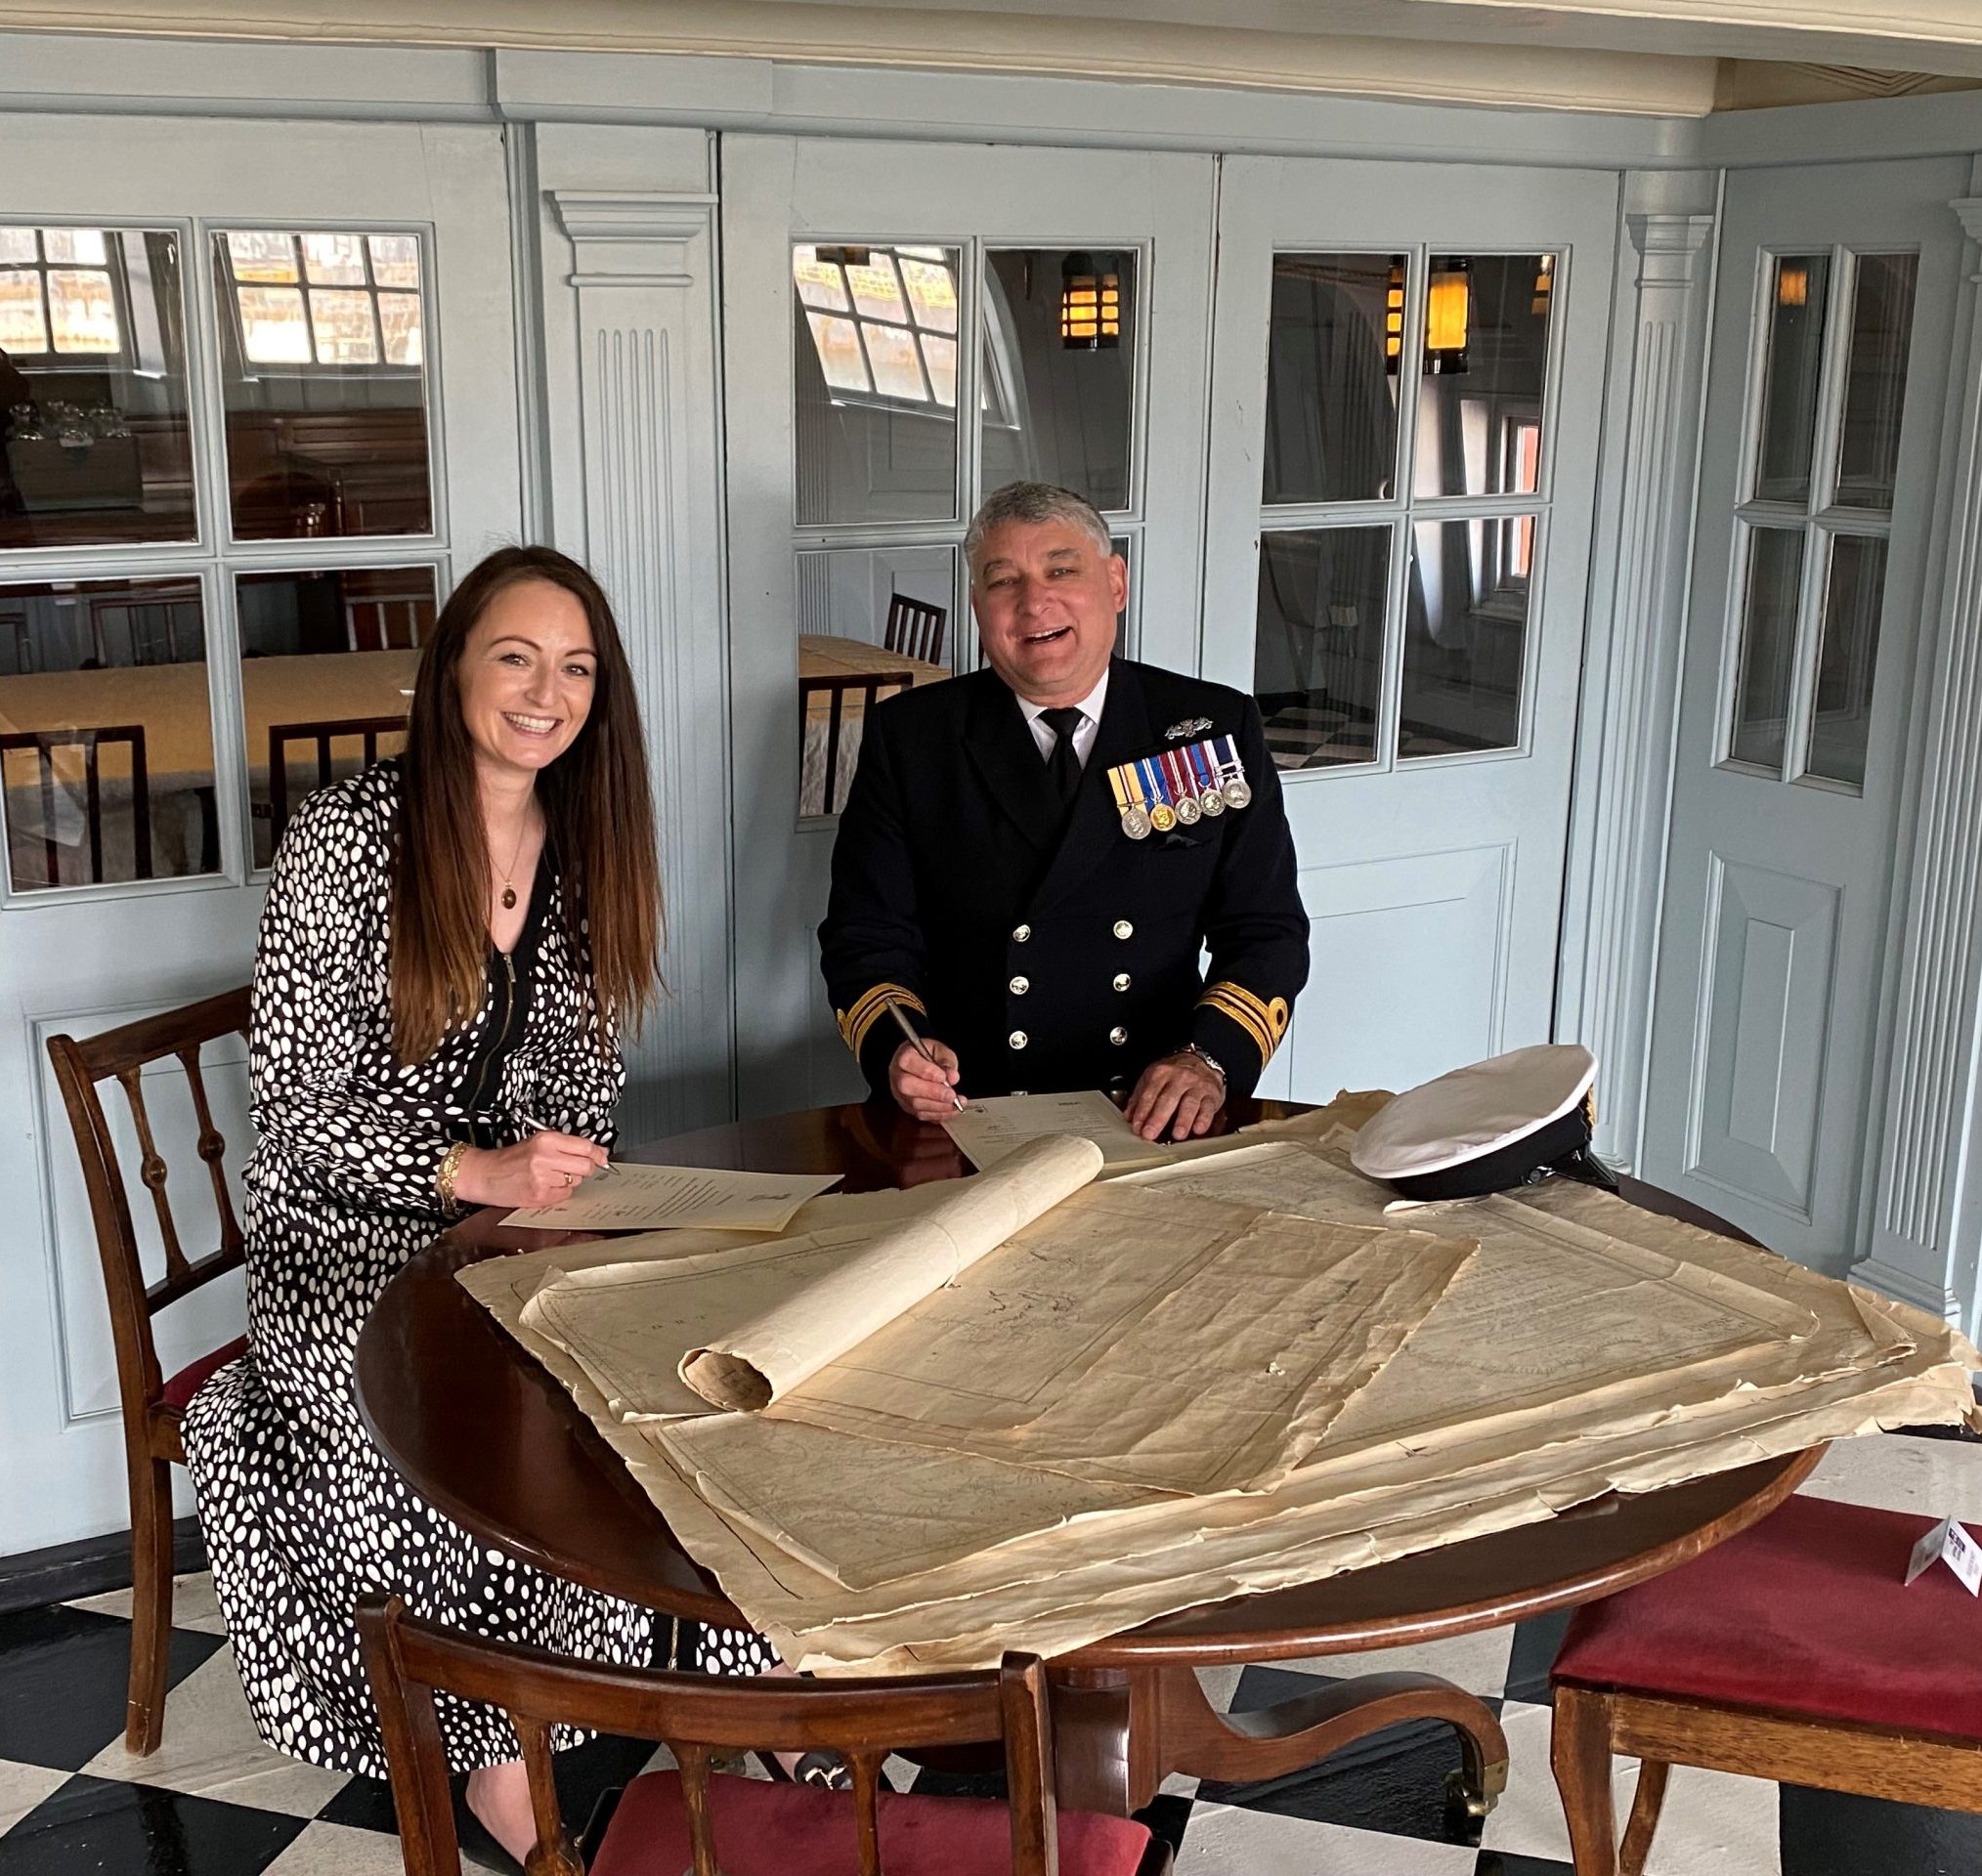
column 45, row 745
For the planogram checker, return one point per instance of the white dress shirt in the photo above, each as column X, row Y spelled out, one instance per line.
column 1085, row 731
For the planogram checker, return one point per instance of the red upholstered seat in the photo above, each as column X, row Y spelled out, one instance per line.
column 189, row 1380
column 1805, row 1613
column 766, row 1829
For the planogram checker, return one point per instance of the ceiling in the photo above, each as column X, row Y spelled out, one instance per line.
column 1670, row 56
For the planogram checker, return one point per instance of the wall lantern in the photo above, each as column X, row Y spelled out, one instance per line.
column 1792, row 283
column 1447, row 309
column 1090, row 302
column 1394, row 316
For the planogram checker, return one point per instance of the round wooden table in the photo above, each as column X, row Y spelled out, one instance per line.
column 481, row 1432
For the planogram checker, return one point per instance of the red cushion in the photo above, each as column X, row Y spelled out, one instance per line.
column 188, row 1382
column 1805, row 1613
column 766, row 1829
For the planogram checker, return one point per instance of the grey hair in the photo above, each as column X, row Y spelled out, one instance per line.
column 1030, row 503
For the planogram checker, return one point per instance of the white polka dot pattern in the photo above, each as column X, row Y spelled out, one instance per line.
column 301, row 1513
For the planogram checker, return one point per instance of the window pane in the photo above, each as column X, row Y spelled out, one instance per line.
column 395, row 260
column 1318, row 647
column 328, row 665
column 106, row 733
column 1792, row 365
column 325, row 388
column 872, row 622
column 1059, row 409
column 1336, row 334
column 876, row 439
column 1875, row 379
column 1853, row 594
column 17, row 246
column 1768, row 646
column 94, row 444
column 1465, row 635
column 1484, row 366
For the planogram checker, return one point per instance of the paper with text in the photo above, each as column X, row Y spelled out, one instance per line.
column 629, row 1196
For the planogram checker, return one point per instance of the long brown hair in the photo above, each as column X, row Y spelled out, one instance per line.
column 598, row 813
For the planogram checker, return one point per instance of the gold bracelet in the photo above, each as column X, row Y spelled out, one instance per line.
column 446, row 1174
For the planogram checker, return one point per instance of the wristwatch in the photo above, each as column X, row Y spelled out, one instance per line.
column 1205, row 1056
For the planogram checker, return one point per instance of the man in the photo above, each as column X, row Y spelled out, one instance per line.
column 1032, row 857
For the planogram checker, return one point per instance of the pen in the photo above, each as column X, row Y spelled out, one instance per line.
column 531, row 1120
column 908, row 1029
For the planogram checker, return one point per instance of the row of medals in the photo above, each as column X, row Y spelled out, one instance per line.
column 1230, row 790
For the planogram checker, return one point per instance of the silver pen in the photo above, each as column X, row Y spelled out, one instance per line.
column 908, row 1029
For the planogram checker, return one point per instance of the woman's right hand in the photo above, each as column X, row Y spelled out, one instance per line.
column 539, row 1170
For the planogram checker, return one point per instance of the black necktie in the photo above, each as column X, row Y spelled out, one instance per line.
column 1063, row 765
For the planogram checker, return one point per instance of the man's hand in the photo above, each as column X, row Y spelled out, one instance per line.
column 1181, row 1092
column 543, row 1170
column 925, row 1088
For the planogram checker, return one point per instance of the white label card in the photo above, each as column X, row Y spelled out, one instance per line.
column 1948, row 1543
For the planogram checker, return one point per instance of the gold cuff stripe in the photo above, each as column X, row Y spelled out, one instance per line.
column 872, row 1005
column 1264, row 1022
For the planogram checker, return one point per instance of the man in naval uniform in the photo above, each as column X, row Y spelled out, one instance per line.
column 1033, row 857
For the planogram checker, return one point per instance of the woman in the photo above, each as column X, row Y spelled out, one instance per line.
column 450, row 946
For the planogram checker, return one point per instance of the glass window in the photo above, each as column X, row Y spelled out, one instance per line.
column 327, row 665
column 1333, row 351
column 873, row 621
column 1465, row 635
column 1484, row 364
column 323, row 367
column 95, row 441
column 1875, row 379
column 1853, row 593
column 1792, row 368
column 106, row 733
column 1317, row 655
column 875, row 375
column 1059, row 370
column 1775, row 575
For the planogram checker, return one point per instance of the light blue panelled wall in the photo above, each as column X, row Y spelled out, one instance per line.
column 1592, row 505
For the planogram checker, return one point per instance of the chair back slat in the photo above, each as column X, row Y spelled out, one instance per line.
column 212, row 1148
column 866, row 1807
column 692, row 1760
column 553, row 1853
column 152, row 1170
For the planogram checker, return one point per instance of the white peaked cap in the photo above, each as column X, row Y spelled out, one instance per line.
column 1472, row 1111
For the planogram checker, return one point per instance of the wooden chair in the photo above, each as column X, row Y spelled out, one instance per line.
column 154, row 1405
column 45, row 744
column 915, row 628
column 367, row 729
column 1795, row 1651
column 672, row 1823
column 835, row 689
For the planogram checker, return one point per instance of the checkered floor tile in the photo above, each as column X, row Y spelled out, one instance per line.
column 215, row 1802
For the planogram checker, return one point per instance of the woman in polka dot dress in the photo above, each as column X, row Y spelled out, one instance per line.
column 449, row 943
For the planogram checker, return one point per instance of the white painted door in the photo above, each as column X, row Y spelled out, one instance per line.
column 259, row 404
column 1836, row 288
column 894, row 349
column 1407, row 371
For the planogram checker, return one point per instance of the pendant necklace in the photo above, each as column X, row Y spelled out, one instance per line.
column 508, row 888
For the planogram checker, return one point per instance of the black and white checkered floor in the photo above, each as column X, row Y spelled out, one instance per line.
column 215, row 1802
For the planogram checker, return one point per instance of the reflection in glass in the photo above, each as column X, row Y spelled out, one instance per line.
column 106, row 733
column 327, row 669
column 1055, row 412
column 95, row 445
column 1792, row 368
column 1854, row 595
column 1332, row 346
column 1318, row 647
column 1465, row 635
column 875, row 375
column 1479, row 401
column 322, row 351
column 1761, row 706
column 1875, row 379
column 873, row 621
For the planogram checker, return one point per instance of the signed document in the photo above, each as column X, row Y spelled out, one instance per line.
column 998, row 1126
column 627, row 1197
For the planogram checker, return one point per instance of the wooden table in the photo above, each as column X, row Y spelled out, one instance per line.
column 480, row 1431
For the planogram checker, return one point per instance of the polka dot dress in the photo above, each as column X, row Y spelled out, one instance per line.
column 301, row 1514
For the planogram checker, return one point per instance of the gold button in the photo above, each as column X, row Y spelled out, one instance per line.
column 1020, row 933
column 1018, row 986
column 1124, row 930
column 1017, row 1038
column 1118, row 1036
column 1121, row 980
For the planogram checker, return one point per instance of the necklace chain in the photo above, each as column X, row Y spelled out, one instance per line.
column 508, row 876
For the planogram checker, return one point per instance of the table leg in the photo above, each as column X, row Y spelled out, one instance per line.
column 1193, row 1737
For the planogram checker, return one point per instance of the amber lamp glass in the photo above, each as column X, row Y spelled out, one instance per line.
column 1090, row 303
column 1447, row 309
